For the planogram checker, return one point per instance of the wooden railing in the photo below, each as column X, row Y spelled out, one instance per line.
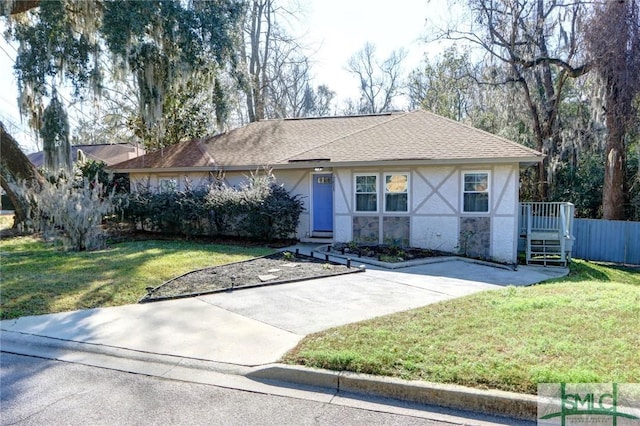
column 546, row 217
column 546, row 232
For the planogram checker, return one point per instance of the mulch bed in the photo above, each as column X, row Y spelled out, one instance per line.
column 278, row 268
column 387, row 253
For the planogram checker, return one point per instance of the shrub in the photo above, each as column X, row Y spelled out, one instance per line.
column 272, row 212
column 260, row 209
column 111, row 182
column 71, row 212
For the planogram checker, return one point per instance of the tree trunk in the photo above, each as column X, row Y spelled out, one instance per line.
column 613, row 191
column 15, row 167
column 18, row 6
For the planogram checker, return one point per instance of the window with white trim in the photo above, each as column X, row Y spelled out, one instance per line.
column 366, row 192
column 168, row 184
column 475, row 192
column 396, row 192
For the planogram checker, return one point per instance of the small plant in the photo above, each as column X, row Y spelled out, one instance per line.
column 326, row 266
column 390, row 259
column 288, row 256
column 465, row 242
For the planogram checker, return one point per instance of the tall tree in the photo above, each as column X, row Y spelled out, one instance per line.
column 15, row 167
column 174, row 52
column 445, row 85
column 288, row 81
column 277, row 70
column 166, row 47
column 14, row 7
column 614, row 46
column 317, row 102
column 534, row 46
column 55, row 138
column 379, row 81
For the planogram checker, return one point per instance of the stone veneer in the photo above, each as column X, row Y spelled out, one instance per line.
column 366, row 229
column 475, row 237
column 395, row 230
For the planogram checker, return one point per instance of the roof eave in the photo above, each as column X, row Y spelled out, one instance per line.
column 526, row 161
column 523, row 161
column 164, row 169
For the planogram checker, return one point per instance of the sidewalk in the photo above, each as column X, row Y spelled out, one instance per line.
column 246, row 331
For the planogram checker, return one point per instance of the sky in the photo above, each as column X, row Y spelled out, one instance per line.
column 341, row 27
column 333, row 30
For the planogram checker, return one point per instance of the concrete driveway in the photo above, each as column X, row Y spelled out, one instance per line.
column 257, row 326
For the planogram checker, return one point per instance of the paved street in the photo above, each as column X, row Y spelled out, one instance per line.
column 35, row 391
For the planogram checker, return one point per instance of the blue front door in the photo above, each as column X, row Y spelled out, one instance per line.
column 323, row 202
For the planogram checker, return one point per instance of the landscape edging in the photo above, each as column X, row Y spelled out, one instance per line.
column 146, row 299
column 416, row 262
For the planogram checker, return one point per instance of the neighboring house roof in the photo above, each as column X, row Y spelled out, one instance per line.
column 108, row 153
column 402, row 138
column 182, row 155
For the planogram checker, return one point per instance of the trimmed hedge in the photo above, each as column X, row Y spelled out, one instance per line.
column 260, row 210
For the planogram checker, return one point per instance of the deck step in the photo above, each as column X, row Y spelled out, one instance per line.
column 545, row 235
column 546, row 250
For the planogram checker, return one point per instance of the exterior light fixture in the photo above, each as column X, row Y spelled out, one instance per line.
column 318, row 169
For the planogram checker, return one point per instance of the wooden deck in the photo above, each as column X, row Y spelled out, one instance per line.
column 546, row 232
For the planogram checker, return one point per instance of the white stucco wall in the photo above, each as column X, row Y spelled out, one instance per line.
column 504, row 232
column 503, row 242
column 154, row 179
column 505, row 183
column 435, row 202
column 298, row 182
column 436, row 233
column 342, row 193
column 436, row 206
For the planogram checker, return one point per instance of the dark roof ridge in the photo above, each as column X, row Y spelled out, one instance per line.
column 393, row 116
column 377, row 114
column 103, row 144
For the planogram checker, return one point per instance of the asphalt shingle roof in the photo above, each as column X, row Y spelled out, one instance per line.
column 108, row 153
column 416, row 135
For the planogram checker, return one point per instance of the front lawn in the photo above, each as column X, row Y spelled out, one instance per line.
column 37, row 278
column 582, row 328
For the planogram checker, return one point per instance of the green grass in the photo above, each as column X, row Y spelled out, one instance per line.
column 37, row 278
column 582, row 328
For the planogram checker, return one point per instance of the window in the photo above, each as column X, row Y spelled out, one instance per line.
column 366, row 193
column 396, row 192
column 168, row 184
column 475, row 193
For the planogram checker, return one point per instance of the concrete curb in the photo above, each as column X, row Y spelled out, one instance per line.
column 492, row 402
column 489, row 402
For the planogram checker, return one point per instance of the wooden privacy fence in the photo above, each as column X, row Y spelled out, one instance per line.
column 607, row 240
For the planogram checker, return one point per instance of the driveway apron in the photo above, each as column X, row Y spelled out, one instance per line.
column 257, row 326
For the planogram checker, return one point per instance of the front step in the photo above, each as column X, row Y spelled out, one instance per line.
column 318, row 240
column 546, row 251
